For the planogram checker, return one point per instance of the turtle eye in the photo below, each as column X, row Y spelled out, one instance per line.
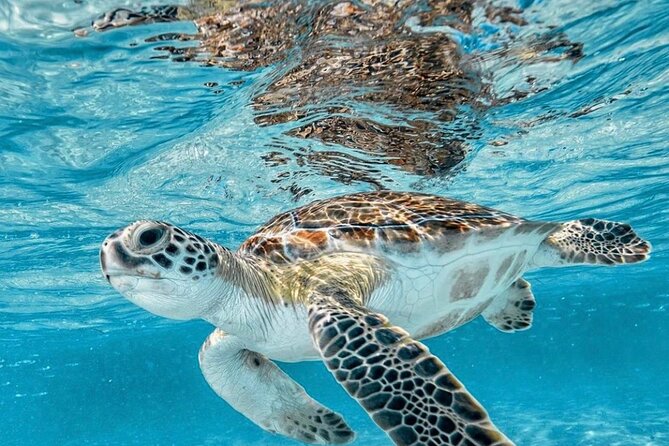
column 150, row 236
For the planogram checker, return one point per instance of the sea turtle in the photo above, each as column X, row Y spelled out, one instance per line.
column 355, row 281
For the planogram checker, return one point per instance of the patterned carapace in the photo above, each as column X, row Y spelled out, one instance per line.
column 394, row 221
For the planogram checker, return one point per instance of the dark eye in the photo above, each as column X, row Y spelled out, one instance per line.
column 150, row 236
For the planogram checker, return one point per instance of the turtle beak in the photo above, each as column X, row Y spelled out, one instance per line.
column 116, row 259
column 104, row 254
column 103, row 264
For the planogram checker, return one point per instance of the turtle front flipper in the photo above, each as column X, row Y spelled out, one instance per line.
column 256, row 387
column 407, row 391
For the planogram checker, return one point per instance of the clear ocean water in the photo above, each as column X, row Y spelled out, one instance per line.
column 95, row 132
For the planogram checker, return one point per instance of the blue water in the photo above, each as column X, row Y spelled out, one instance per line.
column 95, row 133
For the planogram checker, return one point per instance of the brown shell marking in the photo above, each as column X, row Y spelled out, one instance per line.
column 376, row 221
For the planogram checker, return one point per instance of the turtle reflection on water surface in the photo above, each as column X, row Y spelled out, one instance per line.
column 386, row 79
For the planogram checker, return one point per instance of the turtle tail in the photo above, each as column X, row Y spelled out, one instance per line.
column 592, row 241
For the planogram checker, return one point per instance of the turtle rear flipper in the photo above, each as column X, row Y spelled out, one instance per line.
column 511, row 311
column 592, row 241
column 407, row 391
column 256, row 387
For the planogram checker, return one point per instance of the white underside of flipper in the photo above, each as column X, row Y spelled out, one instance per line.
column 257, row 388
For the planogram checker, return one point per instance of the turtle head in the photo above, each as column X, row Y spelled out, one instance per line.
column 163, row 269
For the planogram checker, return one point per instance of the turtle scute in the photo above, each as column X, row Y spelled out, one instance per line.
column 380, row 222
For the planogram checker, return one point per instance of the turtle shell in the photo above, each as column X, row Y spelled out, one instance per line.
column 377, row 222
